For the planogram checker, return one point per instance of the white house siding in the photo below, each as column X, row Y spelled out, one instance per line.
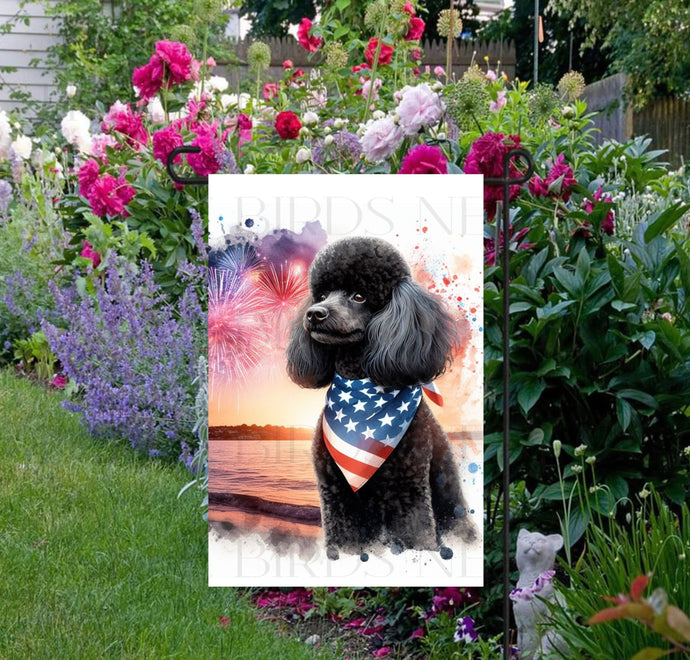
column 22, row 45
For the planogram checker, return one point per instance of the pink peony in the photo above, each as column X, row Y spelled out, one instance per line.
column 608, row 224
column 500, row 101
column 148, row 79
column 439, row 71
column 287, row 64
column 99, row 142
column 486, row 157
column 416, row 30
column 424, row 159
column 420, row 106
column 180, row 65
column 109, row 195
column 206, row 162
column 121, row 119
column 491, row 75
column 366, row 88
column 244, row 124
column 310, row 44
column 89, row 253
column 87, row 176
column 558, row 182
column 381, row 138
column 164, row 141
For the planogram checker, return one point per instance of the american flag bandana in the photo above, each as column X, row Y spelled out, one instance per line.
column 363, row 423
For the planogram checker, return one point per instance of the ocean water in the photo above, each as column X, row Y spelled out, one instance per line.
column 274, row 470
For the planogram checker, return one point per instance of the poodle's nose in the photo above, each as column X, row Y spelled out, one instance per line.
column 317, row 313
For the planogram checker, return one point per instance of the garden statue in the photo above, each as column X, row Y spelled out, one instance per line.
column 535, row 558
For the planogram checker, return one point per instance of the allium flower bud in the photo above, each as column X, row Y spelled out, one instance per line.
column 556, row 448
column 259, row 56
column 449, row 23
column 571, row 85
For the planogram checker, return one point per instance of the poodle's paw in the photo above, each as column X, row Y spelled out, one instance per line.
column 364, row 556
column 397, row 548
column 446, row 552
column 467, row 530
column 332, row 552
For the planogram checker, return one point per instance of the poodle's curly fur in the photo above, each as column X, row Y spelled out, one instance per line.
column 365, row 317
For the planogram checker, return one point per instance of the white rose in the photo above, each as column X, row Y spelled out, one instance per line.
column 155, row 110
column 70, row 90
column 218, row 83
column 310, row 118
column 232, row 100
column 22, row 147
column 303, row 155
column 5, row 134
column 75, row 128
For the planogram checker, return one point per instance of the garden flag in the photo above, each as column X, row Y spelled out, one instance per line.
column 338, row 316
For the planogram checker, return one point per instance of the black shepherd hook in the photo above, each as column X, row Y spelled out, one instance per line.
column 191, row 180
column 506, row 182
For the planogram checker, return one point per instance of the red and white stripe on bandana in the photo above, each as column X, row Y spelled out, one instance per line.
column 363, row 423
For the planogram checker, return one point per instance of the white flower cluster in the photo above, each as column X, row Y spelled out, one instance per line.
column 75, row 127
column 20, row 147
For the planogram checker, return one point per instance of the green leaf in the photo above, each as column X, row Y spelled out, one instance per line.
column 641, row 397
column 535, row 437
column 583, row 265
column 664, row 220
column 650, row 653
column 621, row 306
column 529, row 393
column 624, row 413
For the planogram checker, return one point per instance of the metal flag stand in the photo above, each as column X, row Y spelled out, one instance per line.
column 506, row 182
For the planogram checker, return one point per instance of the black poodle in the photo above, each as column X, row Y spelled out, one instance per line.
column 374, row 335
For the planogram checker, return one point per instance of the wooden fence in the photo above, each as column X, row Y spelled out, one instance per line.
column 434, row 54
column 666, row 121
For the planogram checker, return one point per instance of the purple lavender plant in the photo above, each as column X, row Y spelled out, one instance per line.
column 133, row 355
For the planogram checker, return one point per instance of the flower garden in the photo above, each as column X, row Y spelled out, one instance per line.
column 103, row 298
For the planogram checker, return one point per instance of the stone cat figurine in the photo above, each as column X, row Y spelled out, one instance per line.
column 535, row 558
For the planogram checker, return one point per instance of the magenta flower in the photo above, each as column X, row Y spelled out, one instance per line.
column 148, row 79
column 608, row 224
column 179, row 63
column 89, row 253
column 424, row 159
column 60, row 381
column 309, row 43
column 121, row 119
column 164, row 141
column 486, row 157
column 558, row 182
column 416, row 29
column 206, row 162
column 382, row 652
column 109, row 196
column 87, row 176
column 490, row 245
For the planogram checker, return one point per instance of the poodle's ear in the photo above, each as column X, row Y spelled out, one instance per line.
column 309, row 364
column 410, row 340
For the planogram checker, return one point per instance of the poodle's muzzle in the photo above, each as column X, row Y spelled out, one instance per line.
column 337, row 318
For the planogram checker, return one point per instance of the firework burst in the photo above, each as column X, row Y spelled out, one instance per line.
column 238, row 258
column 284, row 287
column 236, row 332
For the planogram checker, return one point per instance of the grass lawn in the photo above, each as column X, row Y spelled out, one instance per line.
column 98, row 557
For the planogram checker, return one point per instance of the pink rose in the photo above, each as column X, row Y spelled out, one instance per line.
column 99, row 142
column 424, row 159
column 420, row 106
column 164, row 141
column 381, row 138
column 307, row 42
column 270, row 91
column 416, row 29
column 287, row 64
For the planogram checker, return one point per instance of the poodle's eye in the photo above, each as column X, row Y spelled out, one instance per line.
column 358, row 298
column 321, row 298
